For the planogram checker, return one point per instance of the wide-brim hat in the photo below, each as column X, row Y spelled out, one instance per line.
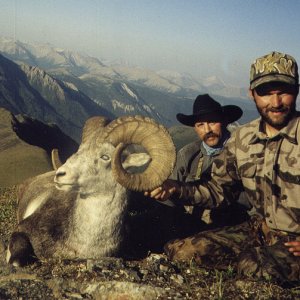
column 204, row 106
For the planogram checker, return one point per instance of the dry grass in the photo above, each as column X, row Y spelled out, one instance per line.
column 8, row 204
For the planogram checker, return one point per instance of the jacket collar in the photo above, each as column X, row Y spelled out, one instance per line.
column 288, row 132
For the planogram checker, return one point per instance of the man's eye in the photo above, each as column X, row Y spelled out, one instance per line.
column 262, row 92
column 283, row 93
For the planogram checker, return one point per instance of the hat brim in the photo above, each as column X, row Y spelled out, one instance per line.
column 230, row 113
column 271, row 78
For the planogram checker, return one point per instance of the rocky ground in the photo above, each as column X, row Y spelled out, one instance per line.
column 154, row 277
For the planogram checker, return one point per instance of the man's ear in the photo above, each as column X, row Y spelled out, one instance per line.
column 251, row 94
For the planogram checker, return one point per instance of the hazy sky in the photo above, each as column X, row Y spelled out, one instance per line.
column 203, row 38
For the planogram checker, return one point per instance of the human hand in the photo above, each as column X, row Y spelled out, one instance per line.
column 294, row 247
column 165, row 191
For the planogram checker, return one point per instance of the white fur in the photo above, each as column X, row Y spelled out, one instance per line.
column 95, row 223
column 35, row 204
column 8, row 255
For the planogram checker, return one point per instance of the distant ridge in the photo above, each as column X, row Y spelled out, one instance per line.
column 29, row 90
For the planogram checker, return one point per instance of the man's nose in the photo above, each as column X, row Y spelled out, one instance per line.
column 276, row 100
column 207, row 127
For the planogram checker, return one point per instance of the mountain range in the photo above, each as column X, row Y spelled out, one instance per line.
column 31, row 91
column 64, row 87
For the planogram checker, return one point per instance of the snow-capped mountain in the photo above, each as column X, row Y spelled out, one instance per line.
column 214, row 82
column 53, row 59
column 183, row 80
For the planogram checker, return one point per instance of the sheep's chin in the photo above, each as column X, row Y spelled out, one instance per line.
column 64, row 187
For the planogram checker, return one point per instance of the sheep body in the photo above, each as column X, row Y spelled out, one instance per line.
column 79, row 210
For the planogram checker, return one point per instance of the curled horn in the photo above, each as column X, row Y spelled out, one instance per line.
column 157, row 142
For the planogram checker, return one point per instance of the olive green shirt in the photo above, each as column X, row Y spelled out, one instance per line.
column 267, row 169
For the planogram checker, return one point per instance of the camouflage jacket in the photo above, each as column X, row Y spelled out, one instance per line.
column 267, row 169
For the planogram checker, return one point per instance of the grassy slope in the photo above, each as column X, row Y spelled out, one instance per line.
column 18, row 160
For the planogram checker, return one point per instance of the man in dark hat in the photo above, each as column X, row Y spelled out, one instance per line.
column 210, row 121
column 261, row 158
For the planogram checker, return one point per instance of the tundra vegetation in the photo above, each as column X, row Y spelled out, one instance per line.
column 61, row 275
column 152, row 277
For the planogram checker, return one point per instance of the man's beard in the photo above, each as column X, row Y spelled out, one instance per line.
column 282, row 120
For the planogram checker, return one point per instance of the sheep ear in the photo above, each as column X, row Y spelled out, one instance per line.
column 136, row 163
column 136, row 160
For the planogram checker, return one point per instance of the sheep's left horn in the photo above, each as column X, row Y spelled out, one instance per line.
column 56, row 163
column 157, row 142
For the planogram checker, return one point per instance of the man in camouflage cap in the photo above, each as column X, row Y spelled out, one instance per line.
column 272, row 67
column 261, row 158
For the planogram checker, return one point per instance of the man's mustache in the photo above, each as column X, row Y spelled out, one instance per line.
column 280, row 109
column 210, row 135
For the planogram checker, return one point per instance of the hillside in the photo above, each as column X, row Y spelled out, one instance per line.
column 182, row 135
column 25, row 147
column 29, row 90
column 18, row 159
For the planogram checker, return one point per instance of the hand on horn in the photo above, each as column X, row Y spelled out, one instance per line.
column 294, row 247
column 165, row 191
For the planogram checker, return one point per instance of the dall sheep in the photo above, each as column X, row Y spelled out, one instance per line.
column 77, row 211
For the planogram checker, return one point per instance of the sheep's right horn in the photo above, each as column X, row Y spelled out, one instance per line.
column 92, row 126
column 157, row 142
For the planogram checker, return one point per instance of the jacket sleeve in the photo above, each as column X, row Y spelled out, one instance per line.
column 180, row 167
column 225, row 182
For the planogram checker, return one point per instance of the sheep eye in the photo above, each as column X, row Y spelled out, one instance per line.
column 105, row 157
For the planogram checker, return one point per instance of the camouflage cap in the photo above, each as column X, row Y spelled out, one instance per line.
column 275, row 66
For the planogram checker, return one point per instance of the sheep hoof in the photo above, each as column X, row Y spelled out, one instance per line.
column 20, row 252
